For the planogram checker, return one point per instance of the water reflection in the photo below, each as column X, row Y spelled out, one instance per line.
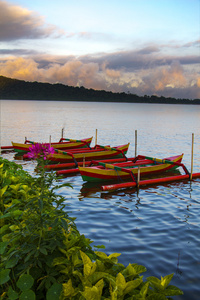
column 178, row 270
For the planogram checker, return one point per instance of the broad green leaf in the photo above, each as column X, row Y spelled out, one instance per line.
column 129, row 271
column 68, row 289
column 40, row 204
column 12, row 294
column 16, row 213
column 15, row 187
column 3, row 229
column 8, row 215
column 120, row 282
column 100, row 285
column 25, row 282
column 3, row 190
column 144, row 290
column 4, row 276
column 25, row 187
column 114, row 255
column 64, row 224
column 27, row 295
column 101, row 254
column 59, row 261
column 99, row 247
column 131, row 285
column 91, row 293
column 155, row 282
column 166, row 280
column 14, row 227
column 173, row 291
column 75, row 259
column 87, row 264
column 54, row 292
column 3, row 246
column 139, row 268
column 96, row 276
column 43, row 250
column 156, row 296
column 12, row 262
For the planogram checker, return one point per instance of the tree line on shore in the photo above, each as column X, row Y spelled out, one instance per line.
column 14, row 89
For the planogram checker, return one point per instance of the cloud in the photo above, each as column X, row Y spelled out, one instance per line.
column 169, row 81
column 172, row 76
column 18, row 52
column 192, row 44
column 144, row 57
column 20, row 23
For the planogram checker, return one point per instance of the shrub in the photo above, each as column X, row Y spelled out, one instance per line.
column 43, row 255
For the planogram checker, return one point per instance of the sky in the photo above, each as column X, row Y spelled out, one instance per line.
column 143, row 47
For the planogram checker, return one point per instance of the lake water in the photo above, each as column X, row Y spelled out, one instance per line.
column 159, row 226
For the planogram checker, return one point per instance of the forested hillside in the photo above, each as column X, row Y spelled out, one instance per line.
column 24, row 90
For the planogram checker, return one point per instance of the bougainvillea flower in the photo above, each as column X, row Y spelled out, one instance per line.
column 38, row 150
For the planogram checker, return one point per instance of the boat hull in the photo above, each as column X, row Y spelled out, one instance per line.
column 77, row 156
column 100, row 174
column 71, row 144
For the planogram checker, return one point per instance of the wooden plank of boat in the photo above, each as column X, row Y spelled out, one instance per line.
column 93, row 154
column 63, row 144
column 108, row 172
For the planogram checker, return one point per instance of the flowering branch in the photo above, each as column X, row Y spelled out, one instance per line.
column 39, row 150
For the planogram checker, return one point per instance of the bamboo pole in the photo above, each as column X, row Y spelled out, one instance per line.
column 192, row 154
column 96, row 138
column 62, row 133
column 135, row 143
column 138, row 179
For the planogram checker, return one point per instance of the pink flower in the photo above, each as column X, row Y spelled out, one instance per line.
column 38, row 150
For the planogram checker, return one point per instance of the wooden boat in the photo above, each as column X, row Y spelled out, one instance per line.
column 70, row 168
column 97, row 153
column 63, row 144
column 152, row 181
column 129, row 169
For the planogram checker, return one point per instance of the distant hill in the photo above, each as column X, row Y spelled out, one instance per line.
column 14, row 89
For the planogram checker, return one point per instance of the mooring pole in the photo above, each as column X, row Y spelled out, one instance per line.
column 138, row 179
column 50, row 140
column 135, row 143
column 192, row 154
column 96, row 138
column 62, row 133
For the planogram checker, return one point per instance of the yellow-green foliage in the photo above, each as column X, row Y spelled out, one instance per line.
column 43, row 255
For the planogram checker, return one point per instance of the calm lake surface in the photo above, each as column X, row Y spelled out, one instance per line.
column 159, row 226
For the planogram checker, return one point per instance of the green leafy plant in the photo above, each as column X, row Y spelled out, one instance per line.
column 43, row 255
